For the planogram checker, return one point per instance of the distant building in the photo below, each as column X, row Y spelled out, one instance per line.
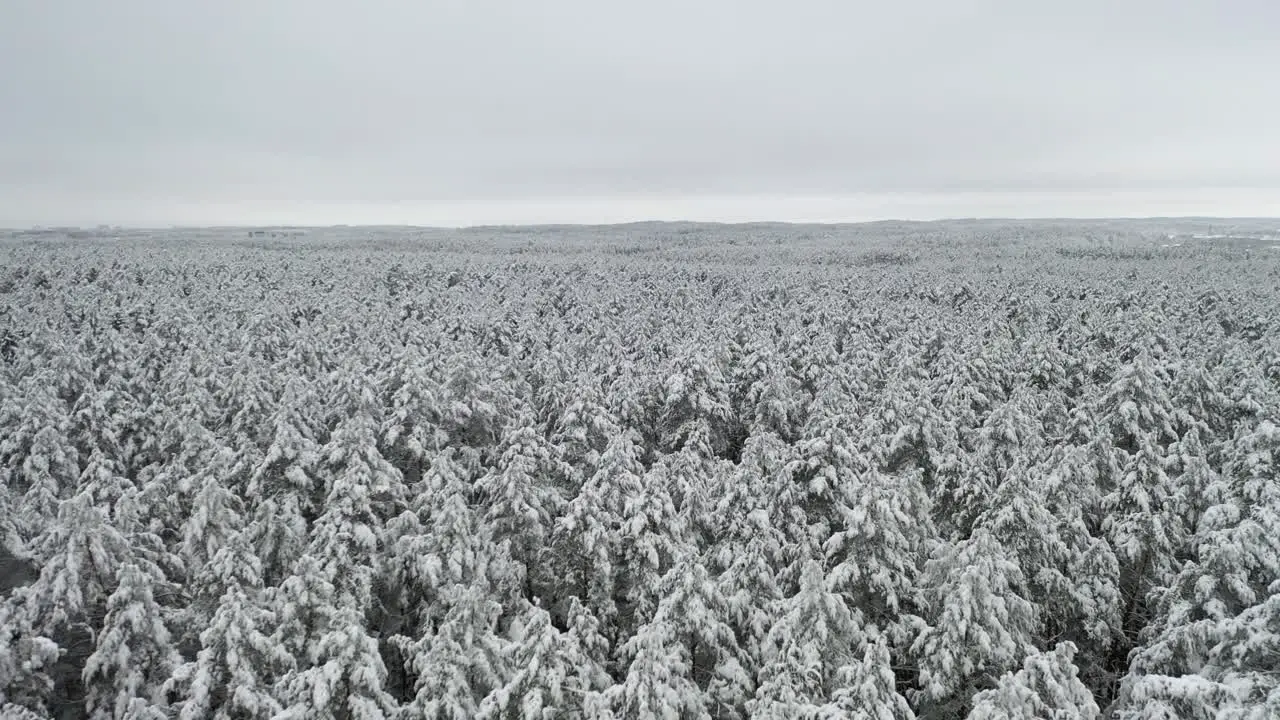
column 277, row 232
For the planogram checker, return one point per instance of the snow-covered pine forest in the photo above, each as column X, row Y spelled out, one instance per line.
column 659, row 471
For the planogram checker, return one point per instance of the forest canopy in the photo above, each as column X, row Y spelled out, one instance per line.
column 983, row 470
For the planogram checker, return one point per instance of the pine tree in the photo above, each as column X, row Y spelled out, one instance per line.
column 771, row 400
column 650, row 540
column 437, row 544
column 458, row 662
column 589, row 535
column 212, row 546
column 1089, row 612
column 411, row 428
column 1006, row 446
column 552, row 673
column 1047, row 686
column 761, row 483
column 1143, row 512
column 814, row 637
column 907, row 429
column 694, row 616
column 277, row 529
column 472, row 405
column 345, row 678
column 302, row 607
column 1143, row 520
column 1220, row 616
column 103, row 480
column 868, row 689
column 217, row 513
column 980, row 624
column 83, row 553
column 749, row 583
column 234, row 671
column 826, row 466
column 26, row 658
column 694, row 395
column 1243, row 664
column 1236, row 560
column 340, row 673
column 134, row 656
column 48, row 473
column 285, row 488
column 520, row 498
column 1191, row 468
column 692, row 478
column 658, row 682
column 1162, row 697
column 582, row 432
column 345, row 538
column 873, row 558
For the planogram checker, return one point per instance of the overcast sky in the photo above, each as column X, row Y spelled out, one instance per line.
column 156, row 112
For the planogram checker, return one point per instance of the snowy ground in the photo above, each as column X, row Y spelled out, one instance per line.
column 975, row 468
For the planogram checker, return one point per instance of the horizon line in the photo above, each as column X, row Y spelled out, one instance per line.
column 661, row 221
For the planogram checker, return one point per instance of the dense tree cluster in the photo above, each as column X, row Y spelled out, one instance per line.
column 375, row 481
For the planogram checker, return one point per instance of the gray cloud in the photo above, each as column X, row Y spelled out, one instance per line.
column 144, row 111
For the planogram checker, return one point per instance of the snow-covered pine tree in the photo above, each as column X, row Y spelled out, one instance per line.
column 1188, row 697
column 768, row 398
column 815, row 635
column 473, row 405
column 1243, row 664
column 359, row 484
column 1142, row 511
column 1199, row 404
column 906, row 428
column 651, row 539
column 1007, row 445
column 521, row 498
column 340, row 672
column 301, row 607
column 980, row 623
column 284, row 490
column 83, row 554
column 1047, row 686
column 1191, row 467
column 445, row 584
column 26, row 658
column 692, row 478
column 238, row 662
column 824, row 468
column 345, row 678
column 873, row 558
column 658, row 682
column 459, row 661
column 411, row 429
column 868, row 689
column 588, row 536
column 1089, row 614
column 749, row 582
column 48, row 473
column 704, row 663
column 437, row 544
column 581, row 432
column 125, row 674
column 694, row 394
column 1219, row 609
column 1040, row 531
column 552, row 673
column 216, row 519
column 104, row 480
column 217, row 512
